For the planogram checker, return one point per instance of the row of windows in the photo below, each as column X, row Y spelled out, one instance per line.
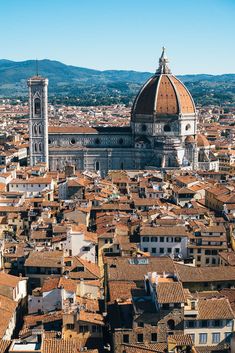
column 84, row 328
column 139, row 338
column 32, row 185
column 208, row 323
column 215, row 336
column 208, row 260
column 166, row 127
column 162, row 250
column 207, row 252
column 161, row 239
column 141, row 324
column 97, row 141
column 203, row 242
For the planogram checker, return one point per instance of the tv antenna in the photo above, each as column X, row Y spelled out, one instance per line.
column 36, row 67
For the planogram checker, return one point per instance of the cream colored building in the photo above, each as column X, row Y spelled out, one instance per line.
column 208, row 320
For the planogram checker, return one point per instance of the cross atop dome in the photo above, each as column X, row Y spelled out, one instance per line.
column 163, row 63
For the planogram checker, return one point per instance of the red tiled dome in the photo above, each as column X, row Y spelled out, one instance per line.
column 163, row 94
column 190, row 139
column 202, row 141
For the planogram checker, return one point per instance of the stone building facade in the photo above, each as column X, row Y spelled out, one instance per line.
column 38, row 122
column 162, row 133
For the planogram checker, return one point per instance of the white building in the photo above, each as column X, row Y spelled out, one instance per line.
column 54, row 294
column 31, row 186
column 159, row 241
column 80, row 243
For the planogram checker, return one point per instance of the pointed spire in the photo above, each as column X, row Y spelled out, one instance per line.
column 163, row 63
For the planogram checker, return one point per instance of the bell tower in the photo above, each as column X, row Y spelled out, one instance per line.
column 38, row 120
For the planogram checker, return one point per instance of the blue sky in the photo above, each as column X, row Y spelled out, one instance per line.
column 122, row 34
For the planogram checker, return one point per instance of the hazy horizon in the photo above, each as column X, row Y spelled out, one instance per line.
column 111, row 69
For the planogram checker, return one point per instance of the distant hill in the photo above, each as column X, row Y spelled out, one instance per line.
column 84, row 86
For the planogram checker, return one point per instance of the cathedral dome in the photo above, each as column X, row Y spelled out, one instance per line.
column 163, row 94
column 190, row 139
column 202, row 141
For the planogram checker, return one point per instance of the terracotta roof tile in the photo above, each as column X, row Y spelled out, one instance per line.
column 171, row 292
column 71, row 130
column 4, row 345
column 9, row 280
column 45, row 259
column 214, row 309
column 53, row 345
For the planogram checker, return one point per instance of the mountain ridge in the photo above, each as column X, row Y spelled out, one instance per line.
column 113, row 86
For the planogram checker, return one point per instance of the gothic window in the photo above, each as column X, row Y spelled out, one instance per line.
column 97, row 165
column 144, row 127
column 187, row 127
column 167, row 128
column 171, row 325
column 37, row 106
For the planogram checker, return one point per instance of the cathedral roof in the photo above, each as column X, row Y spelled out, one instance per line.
column 202, row 141
column 71, row 129
column 190, row 139
column 163, row 94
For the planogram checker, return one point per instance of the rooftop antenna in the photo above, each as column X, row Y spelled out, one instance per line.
column 36, row 67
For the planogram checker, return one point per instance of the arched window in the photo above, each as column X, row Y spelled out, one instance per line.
column 122, row 166
column 121, row 141
column 37, row 106
column 40, row 146
column 144, row 127
column 167, row 128
column 97, row 165
column 171, row 325
column 97, row 141
column 187, row 127
column 35, row 128
column 39, row 128
column 35, row 147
